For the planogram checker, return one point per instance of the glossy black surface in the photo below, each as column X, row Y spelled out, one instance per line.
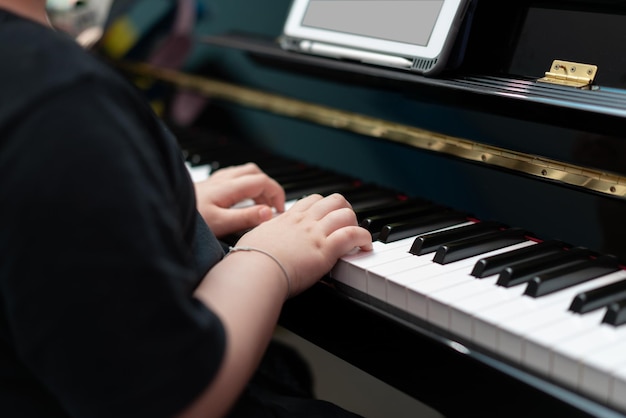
column 431, row 242
column 616, row 313
column 570, row 275
column 524, row 271
column 492, row 265
column 469, row 247
column 599, row 297
column 396, row 231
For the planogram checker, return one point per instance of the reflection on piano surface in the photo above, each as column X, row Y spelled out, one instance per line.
column 496, row 202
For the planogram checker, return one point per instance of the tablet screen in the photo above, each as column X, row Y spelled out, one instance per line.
column 401, row 21
column 412, row 34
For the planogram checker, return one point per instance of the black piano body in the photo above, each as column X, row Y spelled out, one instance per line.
column 485, row 137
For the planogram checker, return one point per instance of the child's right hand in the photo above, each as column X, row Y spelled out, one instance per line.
column 310, row 237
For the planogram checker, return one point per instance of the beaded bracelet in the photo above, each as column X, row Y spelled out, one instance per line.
column 258, row 250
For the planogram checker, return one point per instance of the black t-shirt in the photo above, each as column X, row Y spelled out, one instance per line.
column 100, row 242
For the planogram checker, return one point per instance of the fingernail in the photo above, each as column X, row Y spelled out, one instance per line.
column 265, row 213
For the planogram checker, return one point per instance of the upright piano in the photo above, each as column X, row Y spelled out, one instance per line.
column 495, row 193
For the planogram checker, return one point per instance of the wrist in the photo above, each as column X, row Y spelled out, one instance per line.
column 267, row 256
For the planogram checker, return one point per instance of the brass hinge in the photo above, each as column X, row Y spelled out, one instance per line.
column 571, row 74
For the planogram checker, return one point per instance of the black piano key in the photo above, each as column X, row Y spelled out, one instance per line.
column 227, row 156
column 366, row 191
column 598, row 298
column 302, row 175
column 213, row 150
column 470, row 247
column 494, row 264
column 562, row 278
column 367, row 195
column 428, row 243
column 615, row 313
column 523, row 271
column 319, row 185
column 375, row 223
column 281, row 168
column 206, row 140
column 380, row 209
column 368, row 202
column 400, row 230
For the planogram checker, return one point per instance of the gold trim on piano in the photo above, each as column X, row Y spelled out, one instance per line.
column 532, row 165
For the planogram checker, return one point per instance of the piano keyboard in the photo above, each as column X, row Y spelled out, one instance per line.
column 542, row 305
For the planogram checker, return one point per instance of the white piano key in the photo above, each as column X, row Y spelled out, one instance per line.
column 397, row 285
column 416, row 290
column 437, row 277
column 599, row 365
column 351, row 269
column 567, row 366
column 395, row 279
column 439, row 317
column 512, row 336
column 462, row 313
column 402, row 245
column 538, row 346
column 510, row 317
column 198, row 172
column 290, row 203
column 440, row 301
column 376, row 275
column 617, row 394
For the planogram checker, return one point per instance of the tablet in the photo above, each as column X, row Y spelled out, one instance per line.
column 416, row 35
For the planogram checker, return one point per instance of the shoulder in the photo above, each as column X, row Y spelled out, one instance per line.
column 51, row 81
